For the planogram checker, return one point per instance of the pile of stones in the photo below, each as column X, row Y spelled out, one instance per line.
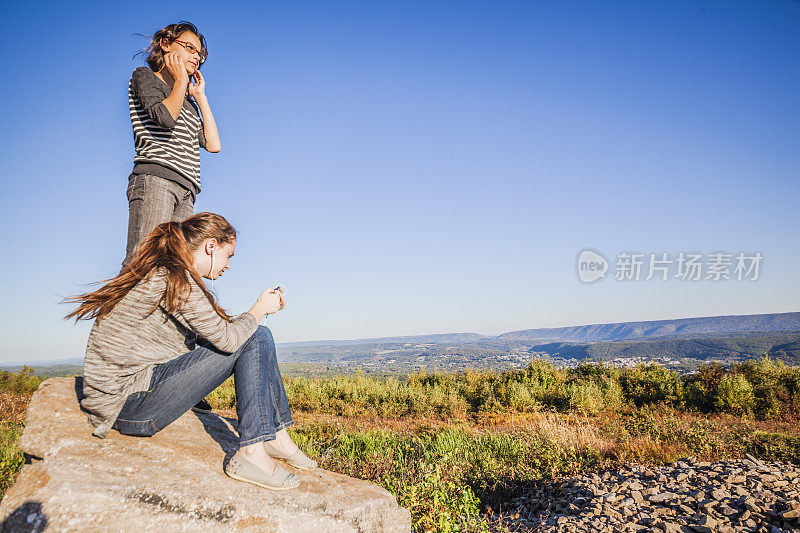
column 686, row 496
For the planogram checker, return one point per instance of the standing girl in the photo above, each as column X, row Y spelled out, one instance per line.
column 171, row 120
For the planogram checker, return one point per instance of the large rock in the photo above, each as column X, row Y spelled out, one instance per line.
column 172, row 481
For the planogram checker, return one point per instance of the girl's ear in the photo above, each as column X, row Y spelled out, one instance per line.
column 211, row 244
column 164, row 44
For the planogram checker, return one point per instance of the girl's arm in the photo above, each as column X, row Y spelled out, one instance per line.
column 174, row 102
column 197, row 90
column 202, row 319
column 200, row 316
column 146, row 88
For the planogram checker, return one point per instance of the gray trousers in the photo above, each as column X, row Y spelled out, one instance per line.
column 151, row 201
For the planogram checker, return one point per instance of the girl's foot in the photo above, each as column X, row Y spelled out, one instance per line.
column 257, row 455
column 283, row 447
column 202, row 407
column 283, row 443
column 241, row 468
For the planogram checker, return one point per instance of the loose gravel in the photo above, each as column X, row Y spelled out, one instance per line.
column 687, row 496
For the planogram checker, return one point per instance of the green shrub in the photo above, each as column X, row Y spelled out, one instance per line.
column 700, row 389
column 651, row 384
column 594, row 387
column 734, row 395
column 521, row 398
column 23, row 382
column 545, row 382
column 586, row 398
column 776, row 387
column 590, row 388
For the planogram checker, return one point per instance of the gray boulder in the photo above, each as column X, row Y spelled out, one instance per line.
column 172, row 481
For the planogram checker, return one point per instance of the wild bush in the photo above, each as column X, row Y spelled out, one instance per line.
column 22, row 382
column 590, row 388
column 594, row 387
column 586, row 397
column 700, row 388
column 651, row 383
column 776, row 387
column 734, row 395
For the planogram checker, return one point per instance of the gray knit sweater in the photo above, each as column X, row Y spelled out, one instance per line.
column 133, row 338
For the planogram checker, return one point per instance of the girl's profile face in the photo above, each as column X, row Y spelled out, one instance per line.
column 222, row 257
column 222, row 254
column 188, row 47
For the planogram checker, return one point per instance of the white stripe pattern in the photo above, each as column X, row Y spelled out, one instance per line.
column 177, row 149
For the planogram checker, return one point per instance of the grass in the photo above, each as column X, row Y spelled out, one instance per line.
column 453, row 447
column 15, row 392
column 443, row 474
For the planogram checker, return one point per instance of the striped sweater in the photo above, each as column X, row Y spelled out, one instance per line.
column 165, row 147
column 138, row 334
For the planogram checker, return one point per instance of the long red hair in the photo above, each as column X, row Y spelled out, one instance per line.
column 170, row 245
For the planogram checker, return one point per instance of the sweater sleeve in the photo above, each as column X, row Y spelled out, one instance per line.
column 147, row 89
column 201, row 318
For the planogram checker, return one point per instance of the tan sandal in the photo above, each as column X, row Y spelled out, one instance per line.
column 242, row 469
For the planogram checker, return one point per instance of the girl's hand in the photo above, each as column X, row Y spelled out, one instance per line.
column 198, row 87
column 279, row 291
column 177, row 69
column 270, row 301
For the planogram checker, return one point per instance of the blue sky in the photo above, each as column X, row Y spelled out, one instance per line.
column 417, row 167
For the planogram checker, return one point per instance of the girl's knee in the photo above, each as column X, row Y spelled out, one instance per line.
column 261, row 336
column 264, row 335
column 264, row 332
column 261, row 341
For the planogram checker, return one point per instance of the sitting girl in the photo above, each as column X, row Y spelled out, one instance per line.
column 141, row 373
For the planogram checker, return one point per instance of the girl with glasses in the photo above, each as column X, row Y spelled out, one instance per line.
column 171, row 121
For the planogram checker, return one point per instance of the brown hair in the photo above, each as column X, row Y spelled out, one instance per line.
column 155, row 54
column 170, row 246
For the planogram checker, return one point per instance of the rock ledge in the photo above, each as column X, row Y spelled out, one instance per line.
column 172, row 481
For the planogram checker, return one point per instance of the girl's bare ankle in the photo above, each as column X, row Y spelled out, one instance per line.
column 251, row 449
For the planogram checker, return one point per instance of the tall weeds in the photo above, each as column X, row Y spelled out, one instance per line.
column 764, row 389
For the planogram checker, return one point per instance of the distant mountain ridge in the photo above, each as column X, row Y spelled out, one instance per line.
column 653, row 329
column 682, row 343
column 435, row 338
column 677, row 328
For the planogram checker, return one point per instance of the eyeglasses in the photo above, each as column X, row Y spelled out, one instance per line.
column 189, row 47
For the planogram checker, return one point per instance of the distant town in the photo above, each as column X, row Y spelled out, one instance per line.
column 681, row 344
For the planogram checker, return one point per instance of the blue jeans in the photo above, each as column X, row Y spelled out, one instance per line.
column 177, row 385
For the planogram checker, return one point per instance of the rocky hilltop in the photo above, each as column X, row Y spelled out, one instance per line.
column 687, row 496
column 172, row 481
